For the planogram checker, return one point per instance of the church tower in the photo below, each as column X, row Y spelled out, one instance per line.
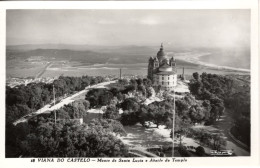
column 162, row 71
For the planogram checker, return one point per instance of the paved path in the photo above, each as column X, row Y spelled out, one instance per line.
column 42, row 71
column 138, row 136
column 140, row 139
column 223, row 126
column 48, row 108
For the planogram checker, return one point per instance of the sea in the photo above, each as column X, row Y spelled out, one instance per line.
column 139, row 69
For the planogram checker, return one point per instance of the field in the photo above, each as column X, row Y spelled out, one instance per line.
column 22, row 69
column 108, row 60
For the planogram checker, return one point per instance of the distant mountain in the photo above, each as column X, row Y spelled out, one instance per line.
column 131, row 54
column 92, row 57
column 59, row 54
column 27, row 47
column 126, row 49
column 83, row 53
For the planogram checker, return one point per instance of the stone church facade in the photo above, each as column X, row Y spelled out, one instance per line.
column 162, row 71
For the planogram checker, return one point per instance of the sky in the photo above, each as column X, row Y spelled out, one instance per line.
column 193, row 28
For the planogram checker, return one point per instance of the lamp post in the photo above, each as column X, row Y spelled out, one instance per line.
column 54, row 104
column 173, row 122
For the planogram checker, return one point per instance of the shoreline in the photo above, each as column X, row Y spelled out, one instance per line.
column 190, row 61
column 195, row 60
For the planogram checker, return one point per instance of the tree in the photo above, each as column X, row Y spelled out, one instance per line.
column 207, row 107
column 139, row 81
column 183, row 151
column 182, row 107
column 109, row 125
column 147, row 82
column 14, row 136
column 74, row 110
column 129, row 118
column 16, row 111
column 195, row 87
column 111, row 113
column 120, row 96
column 36, row 95
column 99, row 97
column 218, row 141
column 200, row 151
column 123, row 82
column 217, row 108
column 133, row 84
column 181, row 128
column 105, row 98
column 130, row 104
column 158, row 114
column 67, row 139
column 22, row 100
column 196, row 113
column 150, row 92
column 142, row 89
column 143, row 115
column 195, row 75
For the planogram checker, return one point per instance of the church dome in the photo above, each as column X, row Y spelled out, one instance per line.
column 160, row 54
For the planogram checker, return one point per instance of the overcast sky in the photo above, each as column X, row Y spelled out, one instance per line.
column 196, row 28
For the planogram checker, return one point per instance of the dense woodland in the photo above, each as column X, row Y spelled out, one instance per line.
column 129, row 96
column 41, row 137
column 22, row 99
column 226, row 92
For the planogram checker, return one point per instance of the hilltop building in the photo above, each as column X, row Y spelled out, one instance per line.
column 162, row 70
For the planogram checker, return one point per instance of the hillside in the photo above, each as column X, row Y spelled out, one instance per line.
column 129, row 54
column 78, row 60
column 95, row 55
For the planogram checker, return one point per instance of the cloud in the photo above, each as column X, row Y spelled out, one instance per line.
column 144, row 21
column 106, row 22
column 149, row 21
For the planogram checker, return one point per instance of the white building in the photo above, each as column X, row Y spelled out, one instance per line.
column 162, row 70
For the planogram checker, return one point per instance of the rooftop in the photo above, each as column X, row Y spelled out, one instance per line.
column 166, row 72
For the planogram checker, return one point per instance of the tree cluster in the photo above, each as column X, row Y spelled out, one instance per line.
column 41, row 137
column 225, row 91
column 212, row 88
column 99, row 97
column 215, row 141
column 74, row 110
column 67, row 139
column 23, row 99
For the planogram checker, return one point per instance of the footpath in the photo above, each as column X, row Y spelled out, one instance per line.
column 48, row 108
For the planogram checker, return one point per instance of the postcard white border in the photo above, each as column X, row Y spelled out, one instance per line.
column 253, row 5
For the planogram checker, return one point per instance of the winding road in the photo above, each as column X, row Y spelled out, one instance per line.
column 223, row 126
column 48, row 108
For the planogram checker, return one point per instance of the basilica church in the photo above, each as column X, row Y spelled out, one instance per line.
column 162, row 70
